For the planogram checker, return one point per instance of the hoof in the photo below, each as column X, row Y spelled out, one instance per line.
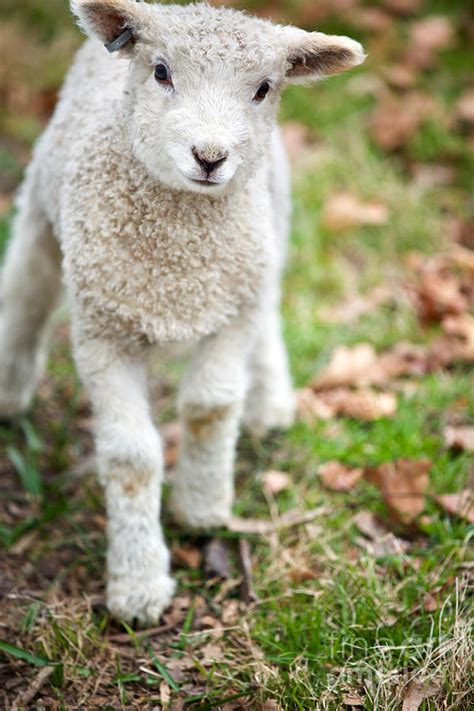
column 142, row 599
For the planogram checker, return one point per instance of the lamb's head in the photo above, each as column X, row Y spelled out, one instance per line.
column 204, row 84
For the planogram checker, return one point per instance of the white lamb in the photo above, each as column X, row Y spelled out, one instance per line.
column 161, row 187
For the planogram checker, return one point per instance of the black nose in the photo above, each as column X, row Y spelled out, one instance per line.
column 208, row 165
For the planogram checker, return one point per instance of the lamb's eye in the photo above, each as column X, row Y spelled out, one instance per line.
column 162, row 74
column 262, row 91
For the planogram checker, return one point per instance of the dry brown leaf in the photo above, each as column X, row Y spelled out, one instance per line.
column 352, row 700
column 373, row 19
column 461, row 232
column 404, row 359
column 311, row 408
column 401, row 76
column 165, row 695
column 395, row 121
column 359, row 365
column 178, row 610
column 461, row 326
column 403, row 484
column 356, row 365
column 189, row 555
column 417, row 691
column 302, row 574
column 362, row 404
column 339, row 477
column 460, row 504
column 437, row 292
column 212, row 653
column 431, row 34
column 344, row 211
column 275, row 481
column 217, row 559
column 355, row 306
column 370, row 525
column 459, row 437
column 381, row 540
column 403, row 7
column 465, row 108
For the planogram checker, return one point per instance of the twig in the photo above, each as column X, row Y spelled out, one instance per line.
column 286, row 520
column 23, row 699
column 125, row 637
column 247, row 591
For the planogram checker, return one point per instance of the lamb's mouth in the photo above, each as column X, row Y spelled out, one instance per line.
column 210, row 183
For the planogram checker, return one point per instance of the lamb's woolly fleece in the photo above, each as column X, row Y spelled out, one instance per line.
column 148, row 263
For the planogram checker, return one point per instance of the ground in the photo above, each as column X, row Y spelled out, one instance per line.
column 360, row 595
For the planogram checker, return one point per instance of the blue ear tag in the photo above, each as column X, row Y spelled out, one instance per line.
column 120, row 41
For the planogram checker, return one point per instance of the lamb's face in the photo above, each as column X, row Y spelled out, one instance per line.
column 204, row 85
column 201, row 116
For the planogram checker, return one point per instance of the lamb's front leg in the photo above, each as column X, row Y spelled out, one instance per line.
column 130, row 469
column 210, row 406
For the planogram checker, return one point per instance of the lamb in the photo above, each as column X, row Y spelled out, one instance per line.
column 159, row 196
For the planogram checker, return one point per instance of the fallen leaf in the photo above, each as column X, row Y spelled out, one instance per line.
column 462, row 232
column 302, row 574
column 361, row 404
column 355, row 306
column 461, row 326
column 403, row 484
column 356, row 365
column 400, row 76
column 212, row 653
column 339, row 477
column 370, row 525
column 417, row 691
column 373, row 19
column 427, row 37
column 217, row 559
column 165, row 695
column 395, row 121
column 344, row 211
column 403, row 7
column 311, row 408
column 381, row 541
column 230, row 612
column 460, row 504
column 459, row 437
column 275, row 481
column 352, row 700
column 465, row 108
column 177, row 612
column 436, row 291
column 189, row 555
column 403, row 359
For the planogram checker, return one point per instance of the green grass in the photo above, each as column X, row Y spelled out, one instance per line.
column 351, row 623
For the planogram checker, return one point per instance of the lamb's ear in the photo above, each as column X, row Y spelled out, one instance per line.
column 314, row 55
column 109, row 20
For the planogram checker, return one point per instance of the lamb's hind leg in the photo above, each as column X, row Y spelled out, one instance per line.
column 270, row 399
column 130, row 469
column 29, row 286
